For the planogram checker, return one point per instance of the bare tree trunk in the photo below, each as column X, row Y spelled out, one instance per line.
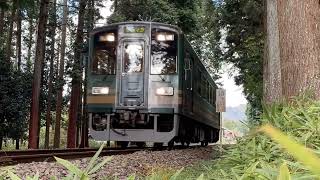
column 84, row 119
column 60, row 76
column 299, row 28
column 10, row 31
column 52, row 33
column 115, row 5
column 39, row 59
column 1, row 22
column 272, row 68
column 17, row 143
column 76, row 79
column 30, row 38
column 1, row 141
column 19, row 19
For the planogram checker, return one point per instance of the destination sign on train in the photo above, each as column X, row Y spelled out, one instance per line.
column 134, row 29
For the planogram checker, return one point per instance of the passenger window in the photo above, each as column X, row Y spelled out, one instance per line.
column 208, row 91
column 212, row 96
column 209, row 94
column 203, row 86
column 199, row 82
column 103, row 62
column 163, row 52
column 104, row 53
column 187, row 63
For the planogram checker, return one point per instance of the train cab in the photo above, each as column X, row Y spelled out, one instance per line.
column 133, row 82
column 145, row 83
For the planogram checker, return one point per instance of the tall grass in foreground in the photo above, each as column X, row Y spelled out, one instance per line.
column 287, row 148
column 74, row 173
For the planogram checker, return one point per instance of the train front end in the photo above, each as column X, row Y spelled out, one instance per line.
column 132, row 86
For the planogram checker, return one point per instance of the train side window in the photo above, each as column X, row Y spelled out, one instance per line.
column 187, row 63
column 164, row 51
column 207, row 90
column 199, row 82
column 104, row 54
column 212, row 96
column 203, row 86
column 209, row 94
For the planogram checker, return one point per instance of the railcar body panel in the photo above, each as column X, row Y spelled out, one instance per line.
column 142, row 81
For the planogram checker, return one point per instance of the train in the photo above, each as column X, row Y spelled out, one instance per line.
column 145, row 83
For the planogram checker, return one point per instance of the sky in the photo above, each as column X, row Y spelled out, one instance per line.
column 234, row 93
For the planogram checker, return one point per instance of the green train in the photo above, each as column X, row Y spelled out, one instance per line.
column 145, row 83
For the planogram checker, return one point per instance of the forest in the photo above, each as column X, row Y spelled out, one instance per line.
column 274, row 44
column 41, row 55
column 42, row 44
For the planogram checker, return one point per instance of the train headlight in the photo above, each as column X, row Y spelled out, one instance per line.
column 100, row 90
column 109, row 37
column 165, row 37
column 165, row 91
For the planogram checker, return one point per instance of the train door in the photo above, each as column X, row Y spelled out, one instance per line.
column 132, row 73
column 188, row 79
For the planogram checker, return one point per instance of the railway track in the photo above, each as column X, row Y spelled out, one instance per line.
column 46, row 155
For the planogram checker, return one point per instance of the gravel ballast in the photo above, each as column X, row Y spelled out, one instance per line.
column 140, row 163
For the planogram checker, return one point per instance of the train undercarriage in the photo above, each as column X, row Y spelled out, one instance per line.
column 138, row 128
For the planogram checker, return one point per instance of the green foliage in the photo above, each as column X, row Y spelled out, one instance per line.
column 236, row 126
column 77, row 173
column 205, row 36
column 241, row 24
column 301, row 153
column 74, row 171
column 15, row 94
column 197, row 19
column 256, row 156
column 160, row 11
column 284, row 173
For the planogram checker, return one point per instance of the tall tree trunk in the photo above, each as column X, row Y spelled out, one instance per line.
column 115, row 5
column 76, row 79
column 84, row 119
column 1, row 22
column 60, row 76
column 19, row 21
column 299, row 28
column 272, row 69
column 17, row 143
column 10, row 31
column 1, row 141
column 30, row 39
column 52, row 33
column 39, row 59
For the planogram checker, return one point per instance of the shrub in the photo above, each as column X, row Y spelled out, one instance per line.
column 74, row 171
column 256, row 156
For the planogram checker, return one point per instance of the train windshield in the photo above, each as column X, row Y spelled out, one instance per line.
column 133, row 56
column 163, row 52
column 104, row 53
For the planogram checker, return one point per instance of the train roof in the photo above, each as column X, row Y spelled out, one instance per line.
column 107, row 26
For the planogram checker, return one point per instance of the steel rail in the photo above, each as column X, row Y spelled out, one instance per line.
column 46, row 151
column 27, row 156
column 47, row 155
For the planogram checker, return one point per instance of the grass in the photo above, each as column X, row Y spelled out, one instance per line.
column 286, row 147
